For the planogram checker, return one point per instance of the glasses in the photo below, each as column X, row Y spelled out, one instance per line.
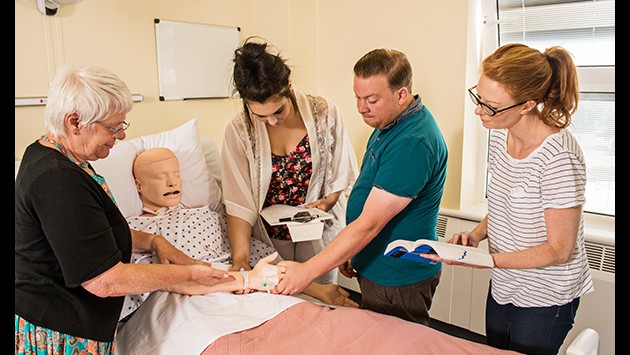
column 487, row 109
column 114, row 131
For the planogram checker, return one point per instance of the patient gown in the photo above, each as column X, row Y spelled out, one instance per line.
column 199, row 232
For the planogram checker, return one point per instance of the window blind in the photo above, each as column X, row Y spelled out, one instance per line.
column 585, row 28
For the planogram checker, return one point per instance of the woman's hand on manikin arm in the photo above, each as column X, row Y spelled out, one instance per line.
column 326, row 203
column 379, row 208
column 130, row 279
column 264, row 276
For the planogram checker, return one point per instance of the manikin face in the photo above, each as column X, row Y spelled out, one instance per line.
column 156, row 173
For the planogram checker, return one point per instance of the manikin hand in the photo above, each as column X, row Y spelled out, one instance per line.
column 332, row 294
column 167, row 253
column 265, row 276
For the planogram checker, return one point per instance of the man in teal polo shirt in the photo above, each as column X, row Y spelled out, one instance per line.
column 396, row 196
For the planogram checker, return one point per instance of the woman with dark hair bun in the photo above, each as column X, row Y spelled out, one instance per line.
column 284, row 147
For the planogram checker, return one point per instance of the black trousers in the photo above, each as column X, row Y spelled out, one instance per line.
column 410, row 302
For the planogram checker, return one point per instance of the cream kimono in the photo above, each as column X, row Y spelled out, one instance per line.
column 246, row 164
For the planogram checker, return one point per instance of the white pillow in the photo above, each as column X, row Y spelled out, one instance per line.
column 212, row 155
column 197, row 184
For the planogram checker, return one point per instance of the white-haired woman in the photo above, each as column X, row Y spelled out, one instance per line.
column 72, row 244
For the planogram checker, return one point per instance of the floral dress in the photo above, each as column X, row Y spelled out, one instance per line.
column 290, row 177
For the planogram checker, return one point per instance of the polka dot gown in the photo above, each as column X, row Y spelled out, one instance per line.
column 199, row 232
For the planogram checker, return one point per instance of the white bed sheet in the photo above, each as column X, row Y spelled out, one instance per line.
column 170, row 323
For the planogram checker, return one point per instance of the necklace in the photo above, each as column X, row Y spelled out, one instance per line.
column 63, row 151
column 85, row 166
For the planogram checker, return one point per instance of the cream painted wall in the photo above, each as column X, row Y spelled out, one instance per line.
column 431, row 33
column 322, row 39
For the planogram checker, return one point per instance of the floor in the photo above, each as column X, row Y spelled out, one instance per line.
column 439, row 325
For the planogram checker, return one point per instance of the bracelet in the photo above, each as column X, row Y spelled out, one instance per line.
column 245, row 278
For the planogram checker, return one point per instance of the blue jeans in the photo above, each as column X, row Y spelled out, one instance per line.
column 533, row 331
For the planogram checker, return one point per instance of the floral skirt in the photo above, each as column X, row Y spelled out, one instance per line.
column 32, row 339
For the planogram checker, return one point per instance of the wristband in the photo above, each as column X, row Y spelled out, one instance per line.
column 245, row 278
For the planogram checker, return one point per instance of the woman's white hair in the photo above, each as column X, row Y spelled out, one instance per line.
column 92, row 92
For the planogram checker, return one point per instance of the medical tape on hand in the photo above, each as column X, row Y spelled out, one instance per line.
column 270, row 277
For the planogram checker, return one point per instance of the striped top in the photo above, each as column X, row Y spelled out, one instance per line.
column 552, row 176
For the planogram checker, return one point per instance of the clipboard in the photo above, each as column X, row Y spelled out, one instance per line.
column 304, row 223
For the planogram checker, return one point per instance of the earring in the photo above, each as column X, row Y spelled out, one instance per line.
column 75, row 132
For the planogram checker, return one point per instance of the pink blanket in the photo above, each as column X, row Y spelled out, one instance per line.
column 307, row 328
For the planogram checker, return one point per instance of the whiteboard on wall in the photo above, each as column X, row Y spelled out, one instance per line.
column 194, row 60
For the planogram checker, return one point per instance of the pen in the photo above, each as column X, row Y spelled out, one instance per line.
column 303, row 217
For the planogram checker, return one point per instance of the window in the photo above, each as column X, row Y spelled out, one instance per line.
column 586, row 28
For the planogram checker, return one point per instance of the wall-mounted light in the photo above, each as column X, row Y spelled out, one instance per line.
column 50, row 7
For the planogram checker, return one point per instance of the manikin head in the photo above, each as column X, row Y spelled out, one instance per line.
column 156, row 174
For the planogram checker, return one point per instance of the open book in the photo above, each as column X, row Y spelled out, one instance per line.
column 411, row 250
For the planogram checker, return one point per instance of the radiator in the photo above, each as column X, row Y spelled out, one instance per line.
column 597, row 309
